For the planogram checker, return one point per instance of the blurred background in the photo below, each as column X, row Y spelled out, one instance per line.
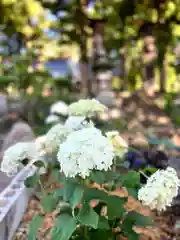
column 124, row 53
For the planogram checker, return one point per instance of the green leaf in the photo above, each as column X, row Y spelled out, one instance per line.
column 55, row 174
column 132, row 179
column 150, row 170
column 64, row 227
column 32, row 181
column 99, row 207
column 77, row 195
column 95, row 194
column 115, row 207
column 100, row 234
column 103, row 223
column 34, row 226
column 73, row 192
column 59, row 192
column 69, row 188
column 100, row 177
column 49, row 203
column 87, row 216
column 111, row 201
column 65, row 208
column 111, row 176
column 139, row 220
column 133, row 236
column 133, row 192
column 109, row 186
column 60, row 179
column 134, row 219
column 97, row 177
column 127, row 226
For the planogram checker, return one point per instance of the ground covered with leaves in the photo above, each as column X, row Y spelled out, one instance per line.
column 140, row 115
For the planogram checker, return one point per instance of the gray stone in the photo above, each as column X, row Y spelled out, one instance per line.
column 107, row 98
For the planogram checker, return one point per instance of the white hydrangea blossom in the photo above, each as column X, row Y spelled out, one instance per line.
column 15, row 154
column 160, row 189
column 120, row 145
column 83, row 151
column 86, row 107
column 112, row 134
column 59, row 107
column 52, row 119
column 40, row 144
column 55, row 136
column 77, row 122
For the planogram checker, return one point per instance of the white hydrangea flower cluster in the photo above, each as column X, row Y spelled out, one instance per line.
column 40, row 144
column 120, row 145
column 52, row 119
column 15, row 154
column 111, row 134
column 86, row 107
column 55, row 136
column 160, row 189
column 77, row 122
column 60, row 108
column 83, row 151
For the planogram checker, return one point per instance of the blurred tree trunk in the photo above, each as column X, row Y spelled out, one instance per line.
column 123, row 73
column 83, row 47
column 149, row 57
column 164, row 37
column 84, row 67
column 162, row 76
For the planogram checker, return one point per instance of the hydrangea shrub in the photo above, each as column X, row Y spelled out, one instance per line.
column 86, row 205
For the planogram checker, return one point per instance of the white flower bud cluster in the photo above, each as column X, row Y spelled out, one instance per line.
column 112, row 134
column 83, row 151
column 14, row 155
column 40, row 144
column 60, row 108
column 86, row 107
column 160, row 189
column 119, row 144
column 55, row 136
column 77, row 122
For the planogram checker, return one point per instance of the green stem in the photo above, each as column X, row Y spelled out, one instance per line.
column 113, row 233
column 114, row 165
column 114, row 236
column 86, row 233
column 144, row 174
column 42, row 188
